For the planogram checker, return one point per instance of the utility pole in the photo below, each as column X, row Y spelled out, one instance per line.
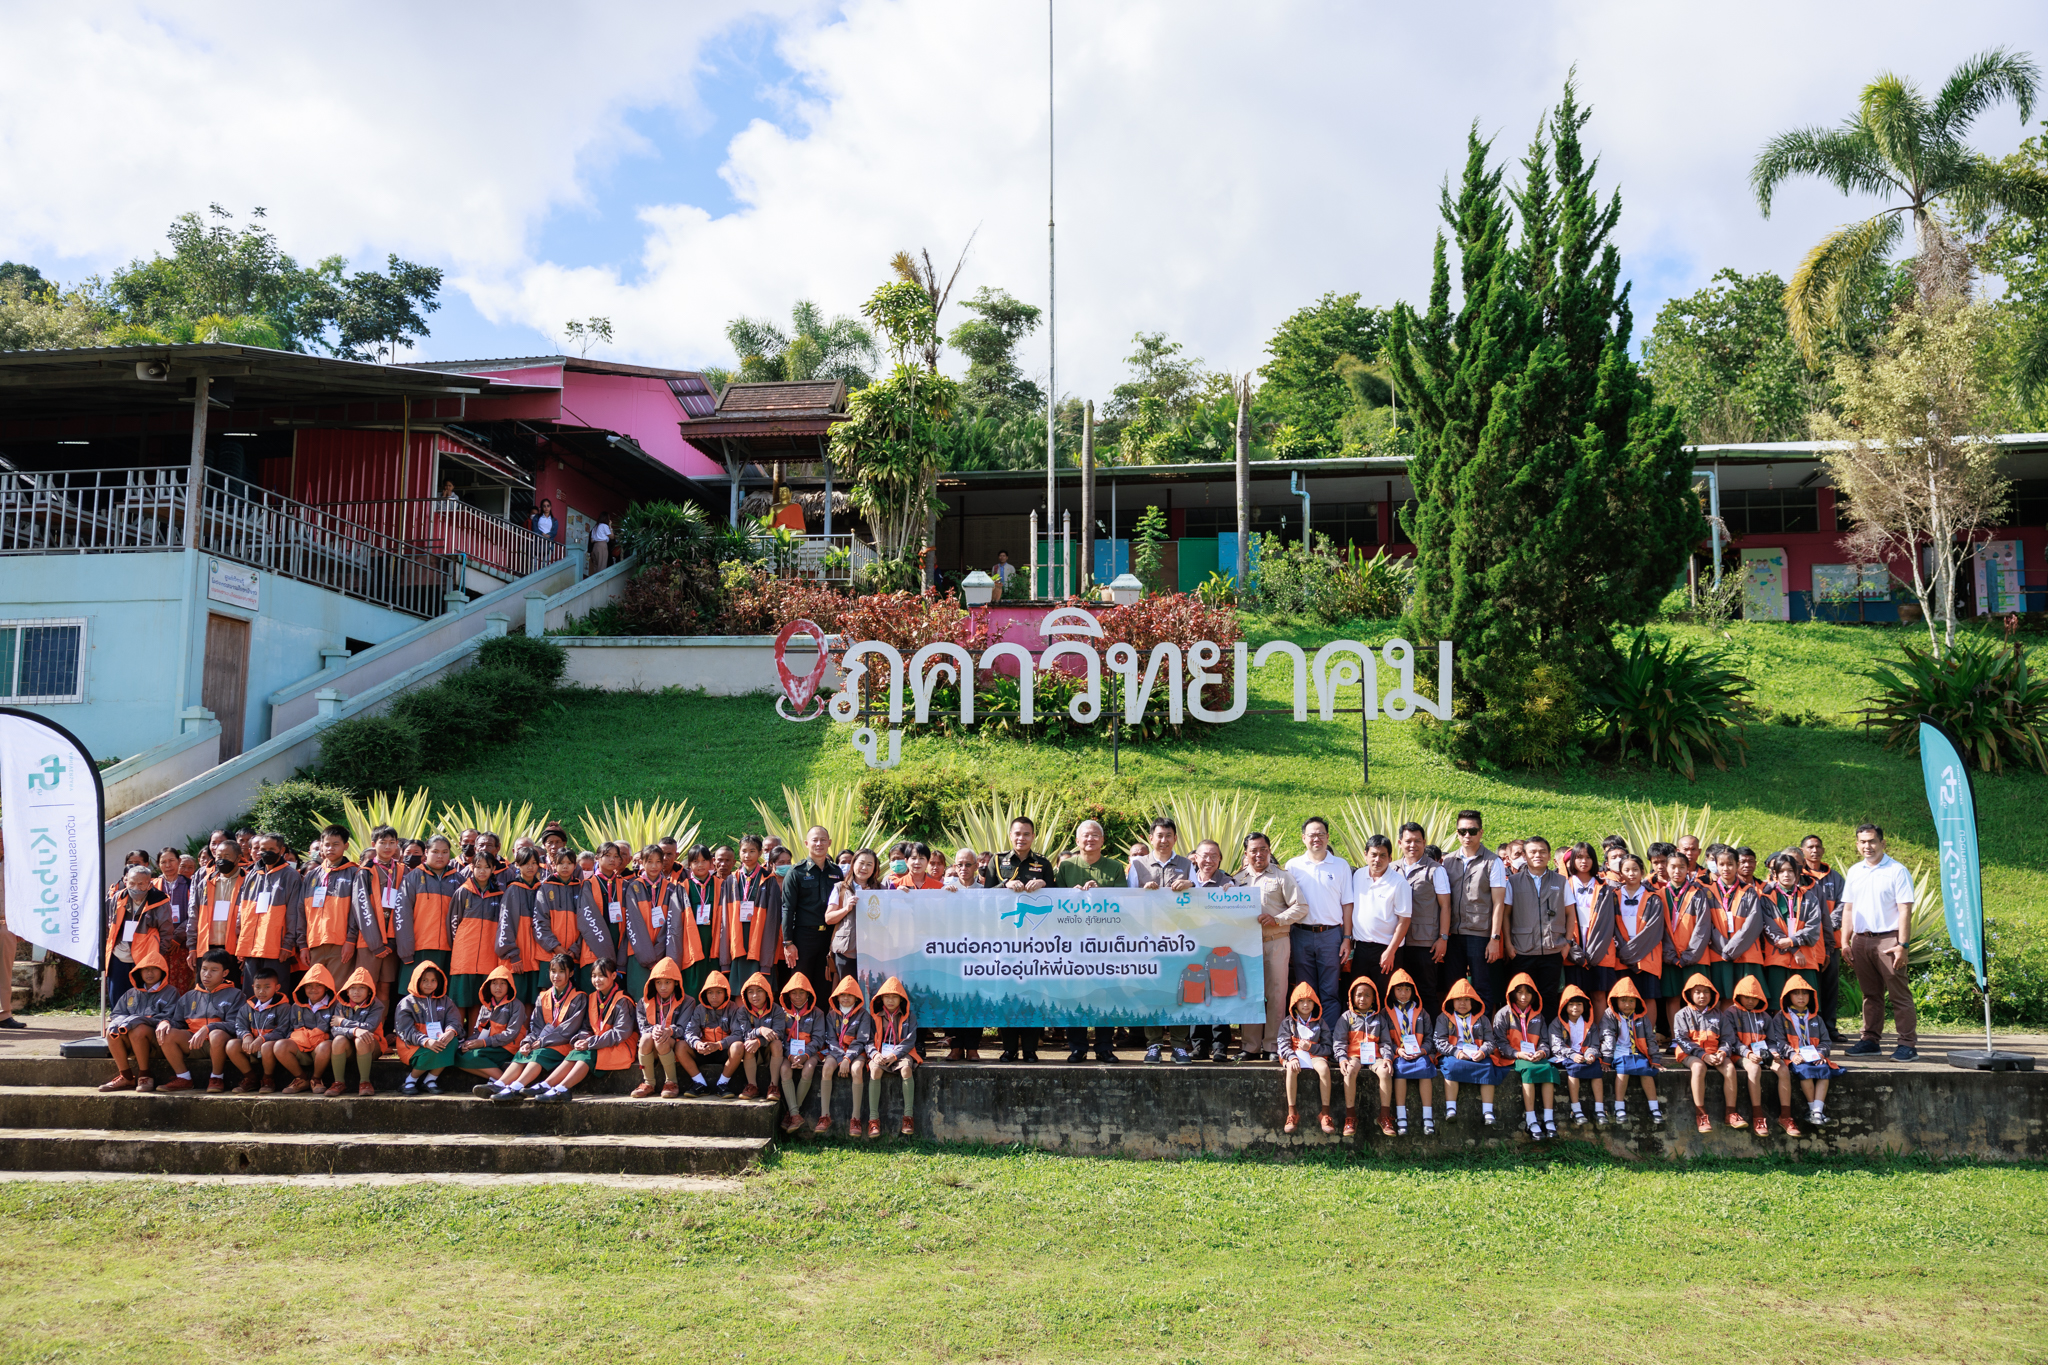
column 1052, row 387
column 1088, row 497
column 1244, row 485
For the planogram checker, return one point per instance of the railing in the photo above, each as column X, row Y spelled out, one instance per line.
column 455, row 528
column 86, row 511
column 830, row 559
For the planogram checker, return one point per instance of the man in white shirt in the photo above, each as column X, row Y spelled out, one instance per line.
column 1315, row 945
column 1877, row 923
column 1382, row 905
column 600, row 546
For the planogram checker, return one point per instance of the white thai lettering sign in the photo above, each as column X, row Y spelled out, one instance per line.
column 1179, row 676
column 234, row 585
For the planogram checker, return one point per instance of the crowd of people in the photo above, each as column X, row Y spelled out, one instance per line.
column 1486, row 965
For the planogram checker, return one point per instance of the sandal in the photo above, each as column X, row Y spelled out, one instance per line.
column 1706, row 1124
column 1293, row 1122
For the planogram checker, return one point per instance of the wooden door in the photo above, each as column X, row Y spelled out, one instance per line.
column 224, row 686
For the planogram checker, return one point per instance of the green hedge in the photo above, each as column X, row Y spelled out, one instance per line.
column 454, row 722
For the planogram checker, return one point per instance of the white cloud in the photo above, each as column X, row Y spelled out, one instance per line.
column 1220, row 164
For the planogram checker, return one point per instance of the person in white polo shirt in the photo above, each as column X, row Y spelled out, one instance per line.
column 1877, row 923
column 1315, row 948
column 1382, row 904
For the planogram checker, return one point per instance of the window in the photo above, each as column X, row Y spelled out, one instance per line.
column 1769, row 511
column 42, row 661
column 2029, row 503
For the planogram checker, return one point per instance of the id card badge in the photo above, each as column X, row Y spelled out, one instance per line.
column 1410, row 1047
column 1529, row 1050
column 221, row 910
column 390, row 898
column 703, row 914
column 263, row 902
column 616, row 912
column 128, row 932
column 660, row 917
column 319, row 896
column 746, row 912
column 1809, row 1054
column 1370, row 1052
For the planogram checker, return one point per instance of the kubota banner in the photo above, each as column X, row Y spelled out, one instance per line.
column 1062, row 957
column 50, row 818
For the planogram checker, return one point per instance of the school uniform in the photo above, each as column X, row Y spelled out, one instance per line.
column 1575, row 1043
column 802, row 1031
column 422, row 926
column 494, row 1030
column 1589, row 936
column 1702, row 1033
column 1302, row 1039
column 1525, row 1038
column 330, row 914
column 1827, row 880
column 135, row 927
column 611, row 1020
column 1807, row 1041
column 1427, row 881
column 421, row 1016
column 1640, row 934
column 751, row 1023
column 271, row 923
column 517, row 945
column 269, row 1021
column 1628, row 1046
column 1738, row 920
column 655, row 1012
column 312, row 1025
column 1360, row 1035
column 753, row 922
column 377, row 891
column 1538, row 920
column 648, row 918
column 710, row 1030
column 359, row 1020
column 601, row 920
column 474, row 913
column 556, row 928
column 695, row 929
column 1794, row 925
column 1410, row 1031
column 557, row 1020
column 1755, row 1034
column 210, row 922
column 145, row 1005
column 1471, row 1054
column 1689, row 934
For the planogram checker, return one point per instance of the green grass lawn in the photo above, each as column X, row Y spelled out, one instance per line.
column 919, row 1255
column 1827, row 778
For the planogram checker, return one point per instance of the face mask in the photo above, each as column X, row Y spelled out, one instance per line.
column 414, row 859
column 269, row 858
column 899, row 867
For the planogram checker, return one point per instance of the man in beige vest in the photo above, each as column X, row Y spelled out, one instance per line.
column 1280, row 905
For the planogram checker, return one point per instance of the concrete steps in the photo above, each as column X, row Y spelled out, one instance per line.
column 64, row 1129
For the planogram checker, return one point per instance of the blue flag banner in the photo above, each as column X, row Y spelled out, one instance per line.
column 1954, row 807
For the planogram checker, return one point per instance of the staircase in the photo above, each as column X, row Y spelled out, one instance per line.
column 63, row 1128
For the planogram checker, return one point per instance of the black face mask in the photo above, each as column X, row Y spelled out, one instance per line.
column 224, row 865
column 414, row 859
column 268, row 858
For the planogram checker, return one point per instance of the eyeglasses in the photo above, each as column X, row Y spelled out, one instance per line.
column 1468, row 831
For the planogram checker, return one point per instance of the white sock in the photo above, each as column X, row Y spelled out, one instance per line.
column 1620, row 1108
column 1550, row 1116
column 1486, row 1106
column 1816, row 1108
column 1425, row 1112
column 1450, row 1109
column 1656, row 1108
column 1530, row 1119
column 516, row 1086
column 1578, row 1110
column 1401, row 1112
column 184, row 1075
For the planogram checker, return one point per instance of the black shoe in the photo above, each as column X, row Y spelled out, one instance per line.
column 1199, row 1052
column 1865, row 1048
column 1030, row 1056
column 510, row 1097
column 1905, row 1054
column 1078, row 1055
column 489, row 1090
column 1106, row 1056
column 1009, row 1055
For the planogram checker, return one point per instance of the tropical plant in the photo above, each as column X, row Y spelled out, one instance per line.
column 889, row 446
column 503, row 820
column 1981, row 690
column 640, row 824
column 995, row 382
column 405, row 812
column 813, row 348
column 1359, row 819
column 1677, row 704
column 1900, row 144
column 1645, row 825
column 836, row 808
column 920, row 274
column 1726, row 360
column 1148, row 550
column 985, row 825
column 664, row 532
column 1317, row 377
column 1219, row 589
column 1225, row 819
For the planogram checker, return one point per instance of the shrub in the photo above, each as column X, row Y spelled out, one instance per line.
column 665, row 532
column 293, row 808
column 671, row 599
column 901, row 574
column 757, row 603
column 457, row 724
column 531, row 655
column 1981, row 690
column 1328, row 586
column 1148, row 550
column 1677, row 704
column 921, row 804
column 604, row 620
column 1945, row 990
column 512, row 695
column 364, row 754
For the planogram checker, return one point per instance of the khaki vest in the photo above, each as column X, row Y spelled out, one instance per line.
column 1425, row 925
column 1471, row 893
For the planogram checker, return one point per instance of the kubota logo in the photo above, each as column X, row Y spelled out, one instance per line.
column 50, row 776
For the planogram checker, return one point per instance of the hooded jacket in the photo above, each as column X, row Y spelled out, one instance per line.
column 1411, row 1031
column 848, row 1030
column 1643, row 950
column 1795, row 922
column 378, row 888
column 1513, row 1029
column 557, row 1019
column 216, row 892
column 1828, row 882
column 655, row 1012
column 611, row 1019
column 803, row 1031
column 1588, row 937
column 1738, row 922
column 696, row 920
column 423, row 917
column 1301, row 1039
column 711, row 1026
column 217, row 1008
column 1755, row 1032
column 895, row 1036
column 1690, row 927
column 648, row 917
column 474, row 914
column 515, row 942
column 554, row 918
column 148, row 1005
column 268, row 1021
column 497, row 1025
column 313, row 1024
column 1702, row 1032
column 1619, row 1036
column 330, row 900
column 1540, row 912
column 601, row 919
column 753, row 915
column 1803, row 1030
column 150, row 921
column 271, row 916
column 1575, row 1042
column 1466, row 1036
column 1359, row 1033
column 419, row 1012
column 753, row 1023
column 349, row 1018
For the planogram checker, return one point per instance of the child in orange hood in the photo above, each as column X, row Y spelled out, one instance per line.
column 358, row 1028
column 1759, row 1042
column 1575, row 1045
column 802, row 1026
column 1700, row 1033
column 754, row 1018
column 132, row 1023
column 310, row 1042
column 1806, row 1044
column 495, row 1028
column 893, row 1047
column 429, row 1029
column 1358, row 1040
column 1521, row 1030
column 1628, row 1041
column 711, row 1035
column 662, row 1008
column 848, row 1031
column 1305, row 1046
column 1471, row 1054
column 1413, row 1036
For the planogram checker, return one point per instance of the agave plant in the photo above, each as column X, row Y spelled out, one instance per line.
column 985, row 825
column 1679, row 705
column 406, row 813
column 1227, row 820
column 640, row 824
column 1981, row 690
column 836, row 808
column 502, row 820
column 1645, row 825
column 1358, row 820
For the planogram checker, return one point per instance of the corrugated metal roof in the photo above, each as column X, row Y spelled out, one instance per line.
column 792, row 398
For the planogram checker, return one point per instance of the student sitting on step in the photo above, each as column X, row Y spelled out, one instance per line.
column 1575, row 1045
column 1305, row 1046
column 1701, row 1035
column 802, row 1026
column 1525, row 1036
column 662, row 1008
column 760, row 1041
column 310, row 1043
column 499, row 1022
column 265, row 1019
column 1465, row 1040
column 429, row 1029
column 1759, row 1042
column 1628, row 1041
column 132, row 1024
column 557, row 1020
column 892, row 1048
column 1413, row 1037
column 607, row 1042
column 711, row 1039
column 1806, row 1041
column 358, row 1027
column 848, row 1030
column 204, row 1019
column 1359, row 1042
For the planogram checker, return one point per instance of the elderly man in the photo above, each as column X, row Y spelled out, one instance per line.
column 1280, row 908
column 1089, row 869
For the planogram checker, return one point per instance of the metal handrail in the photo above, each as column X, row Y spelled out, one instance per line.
column 454, row 527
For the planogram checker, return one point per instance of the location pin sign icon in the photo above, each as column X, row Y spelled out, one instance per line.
column 799, row 691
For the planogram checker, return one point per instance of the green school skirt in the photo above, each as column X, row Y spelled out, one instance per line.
column 485, row 1059
column 466, row 988
column 1774, row 984
column 440, row 957
column 582, row 978
column 1674, row 980
column 1537, row 1073
column 636, row 977
column 583, row 1055
column 549, row 1057
column 424, row 1060
column 1724, row 975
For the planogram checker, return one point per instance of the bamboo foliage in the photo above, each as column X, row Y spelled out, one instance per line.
column 1385, row 815
column 641, row 824
column 836, row 808
column 985, row 825
column 406, row 813
column 1645, row 825
column 1227, row 820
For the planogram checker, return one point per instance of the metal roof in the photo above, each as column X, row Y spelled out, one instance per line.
column 50, row 383
column 1204, row 471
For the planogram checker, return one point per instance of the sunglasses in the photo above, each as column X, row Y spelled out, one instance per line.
column 1468, row 830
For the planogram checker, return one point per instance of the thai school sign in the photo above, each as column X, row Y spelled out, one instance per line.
column 1074, row 635
column 1066, row 957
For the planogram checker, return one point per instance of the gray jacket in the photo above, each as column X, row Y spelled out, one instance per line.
column 1651, row 930
column 416, row 1012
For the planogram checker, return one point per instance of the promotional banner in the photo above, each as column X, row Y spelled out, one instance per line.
column 1954, row 807
column 50, row 819
column 1083, row 958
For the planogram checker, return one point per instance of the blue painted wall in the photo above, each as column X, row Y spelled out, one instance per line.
column 145, row 639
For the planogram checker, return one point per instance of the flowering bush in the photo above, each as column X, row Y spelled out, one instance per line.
column 1177, row 618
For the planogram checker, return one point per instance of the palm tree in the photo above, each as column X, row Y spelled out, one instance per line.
column 1900, row 144
column 813, row 348
column 922, row 273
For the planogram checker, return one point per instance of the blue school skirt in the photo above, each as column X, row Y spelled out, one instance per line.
column 1414, row 1068
column 1632, row 1065
column 1473, row 1073
column 1585, row 1071
column 1822, row 1070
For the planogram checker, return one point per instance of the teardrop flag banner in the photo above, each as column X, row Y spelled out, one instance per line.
column 52, row 813
column 1954, row 807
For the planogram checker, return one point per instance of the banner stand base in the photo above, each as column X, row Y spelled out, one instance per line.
column 1981, row 1060
column 84, row 1047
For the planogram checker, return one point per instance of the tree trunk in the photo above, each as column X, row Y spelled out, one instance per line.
column 1244, row 487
